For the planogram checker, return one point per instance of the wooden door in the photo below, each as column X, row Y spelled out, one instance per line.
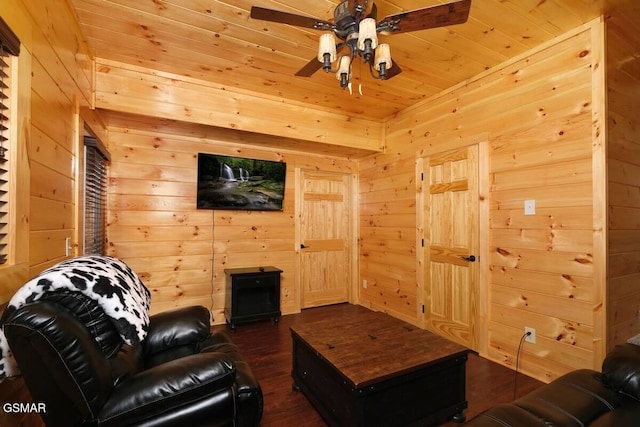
column 325, row 235
column 451, row 244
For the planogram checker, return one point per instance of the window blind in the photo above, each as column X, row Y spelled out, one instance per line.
column 9, row 45
column 95, row 198
column 4, row 157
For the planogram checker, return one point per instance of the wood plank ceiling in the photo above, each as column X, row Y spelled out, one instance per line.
column 217, row 41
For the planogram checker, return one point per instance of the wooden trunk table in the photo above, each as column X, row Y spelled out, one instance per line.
column 375, row 370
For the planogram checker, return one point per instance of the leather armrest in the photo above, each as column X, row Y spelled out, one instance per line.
column 621, row 370
column 169, row 386
column 174, row 328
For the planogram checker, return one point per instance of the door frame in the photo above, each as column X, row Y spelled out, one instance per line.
column 481, row 333
column 352, row 235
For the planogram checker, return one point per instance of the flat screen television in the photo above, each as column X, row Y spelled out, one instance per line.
column 238, row 183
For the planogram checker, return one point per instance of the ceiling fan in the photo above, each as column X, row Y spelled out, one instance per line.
column 354, row 23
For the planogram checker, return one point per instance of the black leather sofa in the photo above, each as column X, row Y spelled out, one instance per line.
column 74, row 362
column 610, row 398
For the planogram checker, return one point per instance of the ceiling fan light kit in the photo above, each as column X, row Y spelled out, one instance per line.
column 360, row 35
column 355, row 24
column 363, row 44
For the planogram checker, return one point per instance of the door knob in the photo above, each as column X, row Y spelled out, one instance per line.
column 470, row 258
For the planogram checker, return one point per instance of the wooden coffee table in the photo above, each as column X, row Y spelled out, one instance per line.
column 375, row 370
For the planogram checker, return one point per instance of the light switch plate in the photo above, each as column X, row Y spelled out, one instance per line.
column 529, row 207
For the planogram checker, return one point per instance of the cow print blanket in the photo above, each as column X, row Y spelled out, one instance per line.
column 106, row 280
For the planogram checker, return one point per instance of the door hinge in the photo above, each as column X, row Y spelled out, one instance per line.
column 422, row 243
column 421, row 176
column 422, row 308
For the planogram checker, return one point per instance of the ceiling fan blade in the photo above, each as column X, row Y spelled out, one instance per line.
column 360, row 6
column 314, row 65
column 290, row 18
column 309, row 69
column 440, row 15
column 394, row 70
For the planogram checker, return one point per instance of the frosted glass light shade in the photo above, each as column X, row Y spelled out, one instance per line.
column 366, row 31
column 383, row 55
column 345, row 62
column 327, row 45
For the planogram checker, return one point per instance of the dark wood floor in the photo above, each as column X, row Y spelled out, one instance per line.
column 267, row 349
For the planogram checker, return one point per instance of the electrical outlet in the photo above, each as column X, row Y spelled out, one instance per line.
column 364, row 283
column 532, row 334
column 67, row 246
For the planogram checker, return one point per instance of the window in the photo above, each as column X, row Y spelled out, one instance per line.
column 9, row 46
column 96, row 159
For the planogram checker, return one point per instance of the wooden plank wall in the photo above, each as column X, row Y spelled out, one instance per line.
column 536, row 115
column 16, row 270
column 623, row 124
column 60, row 81
column 181, row 252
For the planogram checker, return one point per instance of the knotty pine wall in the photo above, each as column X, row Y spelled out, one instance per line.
column 536, row 115
column 55, row 81
column 623, row 134
column 181, row 252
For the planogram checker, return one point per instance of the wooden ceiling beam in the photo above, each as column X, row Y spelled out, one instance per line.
column 125, row 88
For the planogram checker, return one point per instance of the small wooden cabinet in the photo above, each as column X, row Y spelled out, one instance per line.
column 252, row 294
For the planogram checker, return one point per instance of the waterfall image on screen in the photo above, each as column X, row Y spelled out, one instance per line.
column 227, row 182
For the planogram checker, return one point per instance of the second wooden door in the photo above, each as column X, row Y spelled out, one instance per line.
column 451, row 243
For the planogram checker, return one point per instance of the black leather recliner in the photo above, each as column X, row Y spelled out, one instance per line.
column 73, row 360
column 583, row 397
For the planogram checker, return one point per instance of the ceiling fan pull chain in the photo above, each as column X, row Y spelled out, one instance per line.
column 360, row 78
